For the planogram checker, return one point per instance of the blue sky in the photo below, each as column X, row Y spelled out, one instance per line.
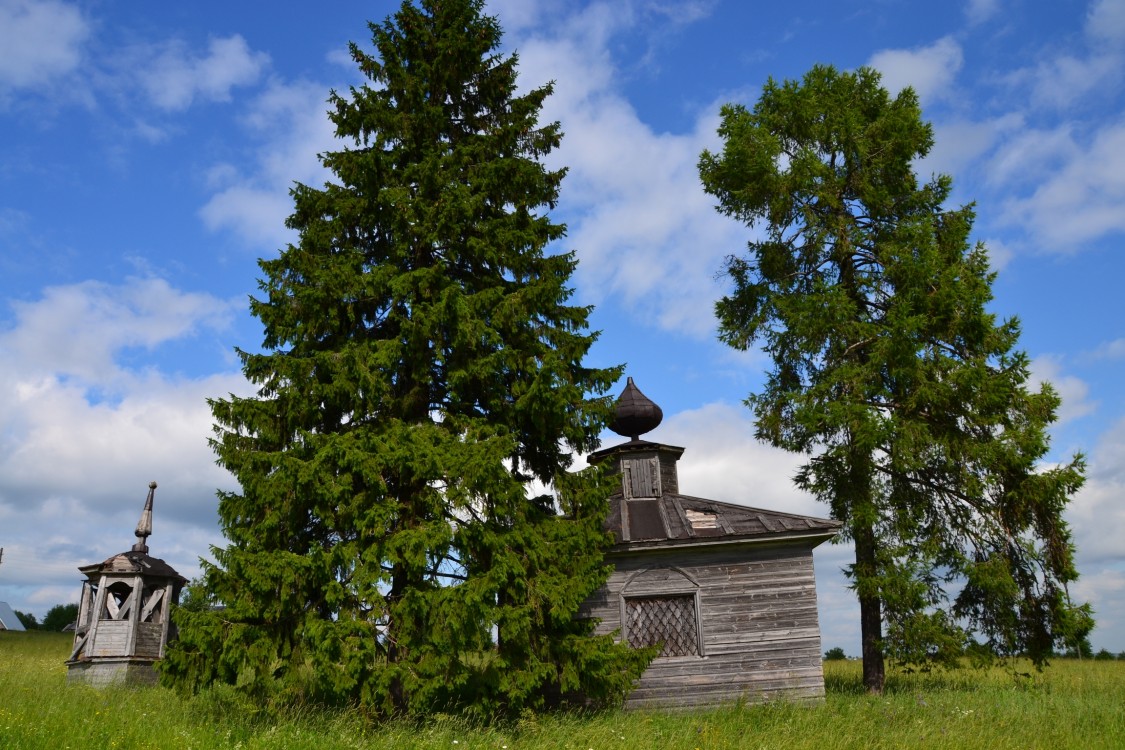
column 146, row 151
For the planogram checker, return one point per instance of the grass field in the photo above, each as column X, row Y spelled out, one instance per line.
column 1070, row 705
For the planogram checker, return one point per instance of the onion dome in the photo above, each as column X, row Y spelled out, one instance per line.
column 636, row 414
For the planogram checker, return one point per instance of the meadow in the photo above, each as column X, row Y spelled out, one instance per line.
column 1071, row 704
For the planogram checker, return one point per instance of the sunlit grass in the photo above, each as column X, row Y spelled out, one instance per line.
column 1069, row 705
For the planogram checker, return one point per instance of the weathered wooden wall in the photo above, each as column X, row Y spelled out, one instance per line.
column 760, row 636
column 149, row 635
column 110, row 639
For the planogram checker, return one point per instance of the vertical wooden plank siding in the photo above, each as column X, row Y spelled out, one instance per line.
column 759, row 630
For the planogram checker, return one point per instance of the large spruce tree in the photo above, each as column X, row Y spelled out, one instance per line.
column 908, row 396
column 421, row 367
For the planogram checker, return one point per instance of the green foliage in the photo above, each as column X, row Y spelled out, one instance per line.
column 1104, row 655
column 421, row 368
column 27, row 620
column 59, row 616
column 835, row 654
column 196, row 597
column 889, row 372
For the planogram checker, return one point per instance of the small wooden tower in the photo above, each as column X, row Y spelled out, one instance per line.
column 123, row 615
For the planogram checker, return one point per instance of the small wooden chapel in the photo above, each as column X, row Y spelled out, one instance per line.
column 124, row 614
column 726, row 591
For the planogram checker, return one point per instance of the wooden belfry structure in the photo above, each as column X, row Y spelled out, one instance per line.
column 123, row 615
column 726, row 591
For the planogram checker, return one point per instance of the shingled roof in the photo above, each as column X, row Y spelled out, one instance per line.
column 134, row 562
column 8, row 619
column 673, row 519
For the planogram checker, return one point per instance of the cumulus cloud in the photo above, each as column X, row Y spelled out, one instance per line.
column 1030, row 155
column 1105, row 21
column 518, row 15
column 1114, row 349
column 1072, row 390
column 979, row 11
column 82, row 433
column 958, row 144
column 647, row 236
column 290, row 122
column 40, row 40
column 929, row 70
column 78, row 330
column 724, row 461
column 1104, row 589
column 176, row 77
column 1096, row 513
column 1081, row 200
column 1060, row 82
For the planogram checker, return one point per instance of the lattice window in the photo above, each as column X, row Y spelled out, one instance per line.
column 669, row 620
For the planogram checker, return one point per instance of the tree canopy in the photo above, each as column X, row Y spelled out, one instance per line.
column 421, row 369
column 58, row 617
column 889, row 372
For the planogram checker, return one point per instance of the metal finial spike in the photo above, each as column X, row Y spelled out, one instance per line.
column 144, row 526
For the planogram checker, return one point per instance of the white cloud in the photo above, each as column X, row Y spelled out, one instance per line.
column 1097, row 519
column 647, row 236
column 979, row 11
column 1105, row 21
column 256, row 214
column 999, row 253
column 74, row 465
column 290, row 120
column 518, row 15
column 1111, row 350
column 1072, row 390
column 724, row 461
column 1062, row 81
column 928, row 70
column 959, row 144
column 40, row 40
column 1067, row 78
column 1080, row 201
column 1028, row 156
column 176, row 77
column 77, row 330
column 1104, row 588
column 1097, row 513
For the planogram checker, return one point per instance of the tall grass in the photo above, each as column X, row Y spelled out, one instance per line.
column 1070, row 705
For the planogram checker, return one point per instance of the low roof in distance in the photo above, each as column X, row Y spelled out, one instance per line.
column 8, row 619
